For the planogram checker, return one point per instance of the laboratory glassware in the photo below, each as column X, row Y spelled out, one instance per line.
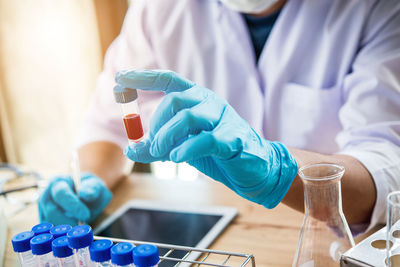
column 42, row 228
column 121, row 254
column 19, row 187
column 100, row 252
column 79, row 238
column 146, row 255
column 60, row 230
column 22, row 246
column 393, row 229
column 41, row 247
column 127, row 98
column 325, row 234
column 62, row 252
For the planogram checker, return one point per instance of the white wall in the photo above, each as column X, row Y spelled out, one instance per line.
column 50, row 57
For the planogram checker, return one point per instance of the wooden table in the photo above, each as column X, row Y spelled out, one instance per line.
column 270, row 235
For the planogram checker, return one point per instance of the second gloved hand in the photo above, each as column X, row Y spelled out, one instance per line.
column 192, row 124
column 59, row 204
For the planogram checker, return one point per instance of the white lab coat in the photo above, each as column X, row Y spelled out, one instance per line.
column 328, row 79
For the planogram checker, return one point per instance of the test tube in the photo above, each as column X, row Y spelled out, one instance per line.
column 100, row 252
column 42, row 228
column 79, row 238
column 126, row 97
column 62, row 252
column 145, row 255
column 121, row 254
column 41, row 247
column 22, row 246
column 60, row 230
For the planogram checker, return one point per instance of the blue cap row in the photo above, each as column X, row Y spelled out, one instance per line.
column 39, row 240
column 124, row 253
column 63, row 238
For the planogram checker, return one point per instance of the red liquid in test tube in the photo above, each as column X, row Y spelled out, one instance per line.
column 133, row 127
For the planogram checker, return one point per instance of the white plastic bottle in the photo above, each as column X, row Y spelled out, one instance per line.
column 22, row 246
column 79, row 239
column 62, row 252
column 41, row 247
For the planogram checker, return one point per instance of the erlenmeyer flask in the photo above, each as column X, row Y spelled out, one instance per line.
column 325, row 234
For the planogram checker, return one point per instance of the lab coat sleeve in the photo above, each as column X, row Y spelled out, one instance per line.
column 371, row 113
column 130, row 50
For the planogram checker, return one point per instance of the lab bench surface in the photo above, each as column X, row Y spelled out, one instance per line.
column 270, row 235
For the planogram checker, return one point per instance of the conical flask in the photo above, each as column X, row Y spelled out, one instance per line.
column 325, row 234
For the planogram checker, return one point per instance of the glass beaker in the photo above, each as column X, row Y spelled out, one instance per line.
column 325, row 234
column 393, row 229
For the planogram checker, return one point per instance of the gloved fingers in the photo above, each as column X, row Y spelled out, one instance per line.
column 63, row 196
column 91, row 189
column 99, row 205
column 202, row 117
column 195, row 147
column 140, row 152
column 55, row 215
column 173, row 103
column 153, row 80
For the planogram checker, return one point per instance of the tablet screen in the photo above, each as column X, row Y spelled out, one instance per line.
column 169, row 227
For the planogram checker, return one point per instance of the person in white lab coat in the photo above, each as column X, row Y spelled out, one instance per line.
column 320, row 78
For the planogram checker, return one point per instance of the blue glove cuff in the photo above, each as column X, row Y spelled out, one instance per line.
column 273, row 189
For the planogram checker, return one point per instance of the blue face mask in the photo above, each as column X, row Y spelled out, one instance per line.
column 249, row 6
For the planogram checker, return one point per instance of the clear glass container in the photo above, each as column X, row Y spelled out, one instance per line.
column 26, row 259
column 46, row 260
column 66, row 262
column 127, row 98
column 393, row 229
column 325, row 234
column 82, row 257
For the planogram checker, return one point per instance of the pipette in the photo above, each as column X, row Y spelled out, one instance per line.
column 76, row 173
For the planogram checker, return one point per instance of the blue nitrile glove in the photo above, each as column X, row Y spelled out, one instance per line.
column 192, row 124
column 59, row 204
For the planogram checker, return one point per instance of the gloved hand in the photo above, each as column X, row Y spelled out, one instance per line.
column 59, row 204
column 192, row 124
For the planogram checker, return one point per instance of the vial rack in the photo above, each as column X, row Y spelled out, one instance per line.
column 371, row 252
column 202, row 257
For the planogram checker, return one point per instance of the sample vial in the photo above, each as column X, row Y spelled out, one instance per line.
column 22, row 246
column 42, row 228
column 145, row 255
column 60, row 230
column 100, row 253
column 121, row 254
column 79, row 238
column 41, row 247
column 62, row 252
column 126, row 97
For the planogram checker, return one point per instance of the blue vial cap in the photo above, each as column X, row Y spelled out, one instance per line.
column 121, row 254
column 41, row 244
column 80, row 236
column 145, row 255
column 42, row 228
column 60, row 247
column 60, row 230
column 100, row 250
column 21, row 241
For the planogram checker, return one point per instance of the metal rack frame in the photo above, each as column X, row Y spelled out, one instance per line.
column 203, row 254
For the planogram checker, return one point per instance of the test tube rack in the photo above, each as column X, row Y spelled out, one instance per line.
column 369, row 252
column 204, row 257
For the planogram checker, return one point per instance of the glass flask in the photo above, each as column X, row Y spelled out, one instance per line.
column 393, row 229
column 325, row 234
